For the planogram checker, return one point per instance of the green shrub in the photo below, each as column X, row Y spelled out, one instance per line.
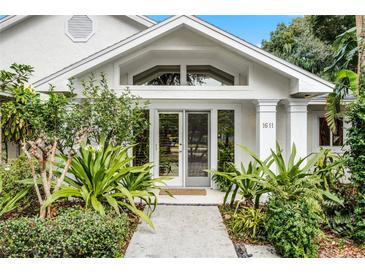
column 95, row 176
column 294, row 207
column 73, row 233
column 338, row 216
column 139, row 182
column 293, row 227
column 249, row 222
column 13, row 176
column 245, row 182
column 355, row 143
column 222, row 182
column 7, row 202
column 13, row 172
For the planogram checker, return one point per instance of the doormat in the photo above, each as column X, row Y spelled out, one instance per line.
column 184, row 191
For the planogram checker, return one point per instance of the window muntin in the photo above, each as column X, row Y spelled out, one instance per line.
column 160, row 75
column 205, row 75
column 326, row 136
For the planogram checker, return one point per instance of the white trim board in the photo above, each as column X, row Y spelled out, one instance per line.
column 11, row 20
column 313, row 82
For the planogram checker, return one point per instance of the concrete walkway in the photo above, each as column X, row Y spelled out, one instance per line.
column 182, row 232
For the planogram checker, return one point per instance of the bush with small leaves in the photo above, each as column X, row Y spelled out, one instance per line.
column 293, row 227
column 74, row 233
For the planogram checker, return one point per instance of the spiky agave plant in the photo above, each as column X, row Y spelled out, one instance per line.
column 95, row 176
column 7, row 202
column 245, row 182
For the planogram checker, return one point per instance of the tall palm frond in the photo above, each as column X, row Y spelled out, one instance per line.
column 346, row 84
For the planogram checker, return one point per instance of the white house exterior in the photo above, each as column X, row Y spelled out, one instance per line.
column 269, row 99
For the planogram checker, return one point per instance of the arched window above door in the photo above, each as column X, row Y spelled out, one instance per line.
column 206, row 75
column 185, row 75
column 158, row 76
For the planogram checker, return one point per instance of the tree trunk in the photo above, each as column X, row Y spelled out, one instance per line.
column 360, row 31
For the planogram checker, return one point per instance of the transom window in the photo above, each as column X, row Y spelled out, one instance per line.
column 326, row 136
column 208, row 76
column 158, row 76
column 193, row 75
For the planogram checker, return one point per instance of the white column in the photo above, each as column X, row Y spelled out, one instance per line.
column 265, row 126
column 183, row 75
column 297, row 126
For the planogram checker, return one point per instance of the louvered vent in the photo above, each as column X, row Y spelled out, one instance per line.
column 80, row 28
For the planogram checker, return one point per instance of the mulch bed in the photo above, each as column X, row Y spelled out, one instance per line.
column 133, row 223
column 332, row 246
column 227, row 213
column 237, row 240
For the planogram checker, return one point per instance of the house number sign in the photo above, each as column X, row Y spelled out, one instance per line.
column 268, row 125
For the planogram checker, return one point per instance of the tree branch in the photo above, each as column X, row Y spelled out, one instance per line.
column 26, row 152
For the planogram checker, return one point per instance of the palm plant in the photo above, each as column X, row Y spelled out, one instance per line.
column 329, row 168
column 246, row 182
column 345, row 77
column 139, row 182
column 7, row 202
column 249, row 221
column 294, row 178
column 95, row 176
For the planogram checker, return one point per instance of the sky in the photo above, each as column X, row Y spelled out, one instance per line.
column 252, row 28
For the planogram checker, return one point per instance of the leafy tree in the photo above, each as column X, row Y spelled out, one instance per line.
column 15, row 124
column 60, row 123
column 356, row 135
column 343, row 69
column 17, row 75
column 51, row 121
column 353, row 82
column 328, row 27
column 12, row 82
column 120, row 118
column 297, row 44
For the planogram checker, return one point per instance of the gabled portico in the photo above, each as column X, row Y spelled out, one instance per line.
column 198, row 79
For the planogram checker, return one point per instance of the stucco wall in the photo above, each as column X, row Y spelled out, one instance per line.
column 41, row 41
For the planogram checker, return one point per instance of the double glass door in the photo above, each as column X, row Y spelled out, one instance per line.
column 184, row 148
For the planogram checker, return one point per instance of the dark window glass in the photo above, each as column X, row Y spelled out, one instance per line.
column 326, row 137
column 141, row 150
column 225, row 137
column 337, row 139
column 324, row 133
column 205, row 75
column 158, row 76
column 198, row 150
column 169, row 144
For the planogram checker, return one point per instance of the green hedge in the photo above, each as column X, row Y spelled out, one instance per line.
column 355, row 162
column 73, row 233
column 12, row 174
column 293, row 228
